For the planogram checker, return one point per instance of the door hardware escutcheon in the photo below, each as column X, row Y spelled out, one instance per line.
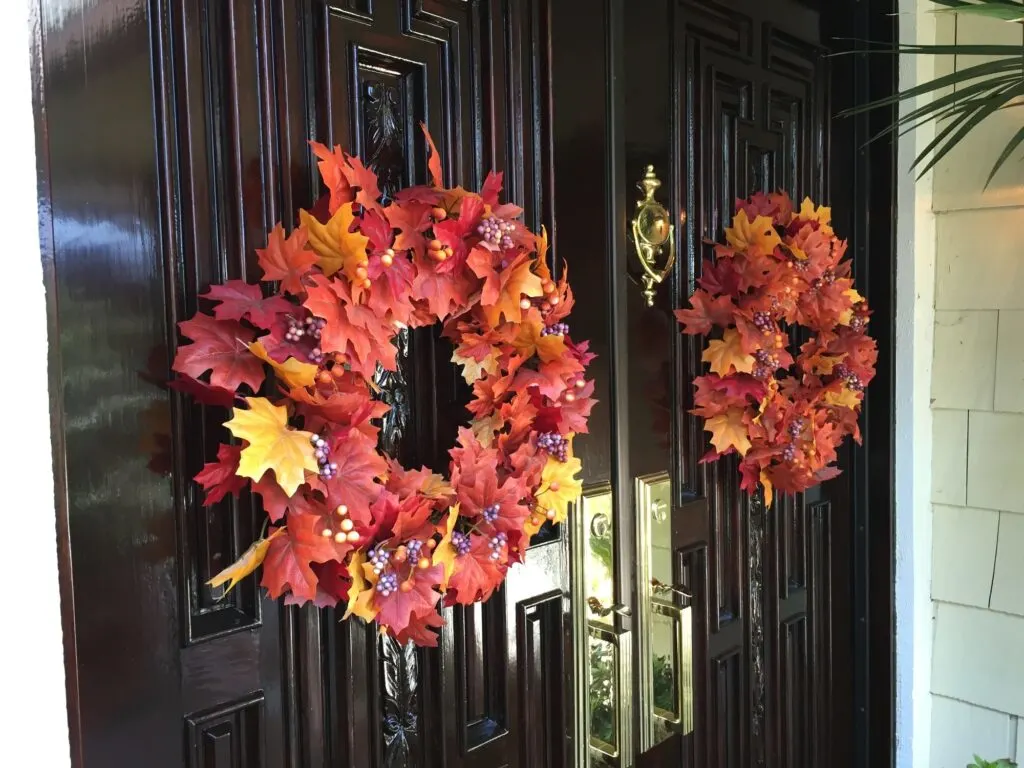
column 653, row 234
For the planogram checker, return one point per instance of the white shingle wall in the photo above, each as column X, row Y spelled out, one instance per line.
column 978, row 431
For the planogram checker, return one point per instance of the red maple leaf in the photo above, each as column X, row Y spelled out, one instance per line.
column 289, row 558
column 391, row 291
column 365, row 180
column 218, row 477
column 567, row 417
column 411, row 219
column 359, row 465
column 377, row 229
column 452, row 232
column 286, row 260
column 476, row 575
column 707, row 311
column 202, row 392
column 719, row 277
column 420, row 630
column 219, row 346
column 492, row 188
column 412, row 517
column 347, row 404
column 442, row 293
column 279, row 346
column 276, row 503
column 238, row 300
column 331, row 167
column 404, row 605
column 333, row 584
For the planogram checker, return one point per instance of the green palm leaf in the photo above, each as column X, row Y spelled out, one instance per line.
column 978, row 91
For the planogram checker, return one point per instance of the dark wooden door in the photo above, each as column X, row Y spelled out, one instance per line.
column 172, row 137
column 747, row 657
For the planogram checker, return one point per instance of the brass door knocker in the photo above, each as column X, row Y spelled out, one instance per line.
column 652, row 235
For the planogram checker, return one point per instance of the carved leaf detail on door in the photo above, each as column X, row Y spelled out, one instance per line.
column 400, row 706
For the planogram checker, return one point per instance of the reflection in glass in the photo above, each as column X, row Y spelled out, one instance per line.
column 602, row 700
column 666, row 618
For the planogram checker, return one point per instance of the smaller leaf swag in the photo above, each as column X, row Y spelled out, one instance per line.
column 781, row 271
column 296, row 359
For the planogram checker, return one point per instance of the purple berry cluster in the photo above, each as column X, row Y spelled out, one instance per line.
column 554, row 444
column 789, row 452
column 558, row 329
column 851, row 379
column 827, row 278
column 496, row 231
column 767, row 364
column 311, row 326
column 858, row 323
column 413, row 547
column 491, row 513
column 497, row 544
column 796, row 426
column 322, row 451
column 379, row 559
column 763, row 322
column 461, row 543
column 388, row 584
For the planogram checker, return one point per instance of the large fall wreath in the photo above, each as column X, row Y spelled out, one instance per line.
column 296, row 359
column 781, row 276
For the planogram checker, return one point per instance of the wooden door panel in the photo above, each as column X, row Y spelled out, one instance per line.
column 184, row 133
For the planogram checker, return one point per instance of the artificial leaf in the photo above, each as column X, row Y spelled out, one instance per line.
column 757, row 235
column 515, row 281
column 202, row 392
column 844, row 398
column 559, row 486
column 434, row 160
column 359, row 467
column 473, row 369
column 288, row 564
column 238, row 300
column 250, row 560
column 492, row 188
column 332, row 167
column 707, row 311
column 476, row 574
column 272, row 444
column 404, row 605
column 411, row 219
column 532, row 341
column 728, row 432
column 292, row 372
column 218, row 346
column 218, row 477
column 445, row 552
column 726, row 355
column 360, row 594
column 365, row 180
column 287, row 260
column 277, row 503
column 337, row 247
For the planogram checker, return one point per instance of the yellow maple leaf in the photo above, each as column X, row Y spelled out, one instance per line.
column 822, row 214
column 530, row 341
column 485, row 428
column 445, row 552
column 520, row 282
column 726, row 355
column 360, row 594
column 824, row 364
column 845, row 398
column 559, row 486
column 292, row 372
column 473, row 369
column 250, row 560
column 272, row 444
column 336, row 247
column 728, row 430
column 758, row 234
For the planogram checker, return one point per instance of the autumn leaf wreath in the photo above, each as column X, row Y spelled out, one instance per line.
column 781, row 282
column 295, row 360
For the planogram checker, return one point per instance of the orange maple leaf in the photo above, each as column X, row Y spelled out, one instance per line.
column 286, row 259
column 336, row 246
column 292, row 372
column 517, row 281
column 530, row 341
column 250, row 560
column 726, row 355
column 434, row 161
column 728, row 431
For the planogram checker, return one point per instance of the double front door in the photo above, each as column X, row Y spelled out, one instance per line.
column 670, row 623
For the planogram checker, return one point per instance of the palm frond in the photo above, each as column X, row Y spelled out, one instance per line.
column 977, row 92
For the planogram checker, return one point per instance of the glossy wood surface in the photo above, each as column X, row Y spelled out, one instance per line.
column 173, row 135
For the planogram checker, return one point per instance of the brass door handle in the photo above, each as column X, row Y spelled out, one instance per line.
column 653, row 234
column 600, row 609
